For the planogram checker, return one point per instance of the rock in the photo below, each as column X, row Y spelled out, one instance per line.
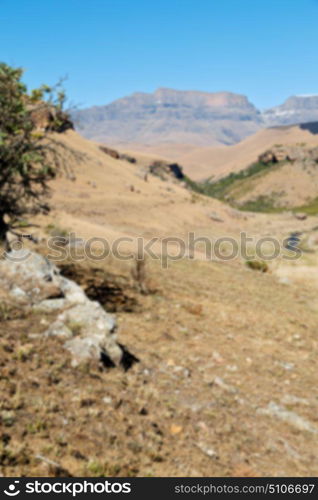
column 223, row 385
column 267, row 157
column 7, row 418
column 214, row 216
column 283, row 280
column 165, row 170
column 50, row 118
column 111, row 152
column 281, row 153
column 59, row 329
column 90, row 316
column 82, row 349
column 107, row 400
column 217, row 357
column 93, row 331
column 175, row 429
column 190, row 117
column 128, row 158
column 290, row 417
column 50, row 305
column 232, row 368
column 183, row 371
column 32, row 274
column 312, row 242
column 207, row 451
column 285, row 365
column 289, row 399
column 88, row 328
column 73, row 293
column 18, row 294
column 300, row 216
column 22, row 263
column 95, row 347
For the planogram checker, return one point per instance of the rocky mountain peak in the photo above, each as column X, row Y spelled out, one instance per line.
column 171, row 116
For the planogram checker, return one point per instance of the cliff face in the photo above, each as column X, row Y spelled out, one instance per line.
column 296, row 109
column 171, row 116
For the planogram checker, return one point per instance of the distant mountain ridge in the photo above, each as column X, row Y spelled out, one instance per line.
column 296, row 109
column 169, row 116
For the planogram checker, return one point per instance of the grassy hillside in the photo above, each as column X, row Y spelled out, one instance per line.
column 283, row 178
column 230, row 188
column 227, row 354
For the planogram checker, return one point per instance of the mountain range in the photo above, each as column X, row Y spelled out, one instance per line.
column 171, row 117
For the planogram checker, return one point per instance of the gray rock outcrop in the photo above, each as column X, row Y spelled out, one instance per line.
column 89, row 331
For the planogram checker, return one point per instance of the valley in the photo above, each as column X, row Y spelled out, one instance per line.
column 225, row 379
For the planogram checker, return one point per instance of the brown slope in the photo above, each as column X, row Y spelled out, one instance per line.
column 111, row 199
column 203, row 163
column 226, row 381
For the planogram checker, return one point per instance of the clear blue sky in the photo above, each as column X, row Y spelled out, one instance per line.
column 267, row 50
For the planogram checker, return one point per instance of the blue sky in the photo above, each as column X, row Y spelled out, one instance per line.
column 267, row 50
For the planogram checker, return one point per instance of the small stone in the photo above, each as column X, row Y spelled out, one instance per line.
column 223, row 385
column 217, row 357
column 59, row 329
column 215, row 216
column 232, row 368
column 107, row 400
column 18, row 294
column 300, row 216
column 283, row 280
column 286, row 366
column 7, row 418
column 210, row 452
column 175, row 429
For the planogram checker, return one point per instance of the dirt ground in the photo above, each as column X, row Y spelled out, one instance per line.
column 213, row 362
column 226, row 383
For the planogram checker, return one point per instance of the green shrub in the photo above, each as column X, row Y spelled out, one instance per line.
column 27, row 159
column 262, row 203
column 257, row 265
column 219, row 189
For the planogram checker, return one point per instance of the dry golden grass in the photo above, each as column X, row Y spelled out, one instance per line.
column 217, row 344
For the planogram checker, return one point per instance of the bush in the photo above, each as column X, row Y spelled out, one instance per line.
column 257, row 265
column 26, row 160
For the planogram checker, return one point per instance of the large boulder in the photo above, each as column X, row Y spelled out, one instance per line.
column 165, row 170
column 32, row 280
column 49, row 118
column 110, row 152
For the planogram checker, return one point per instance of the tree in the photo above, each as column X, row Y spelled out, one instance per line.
column 26, row 159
